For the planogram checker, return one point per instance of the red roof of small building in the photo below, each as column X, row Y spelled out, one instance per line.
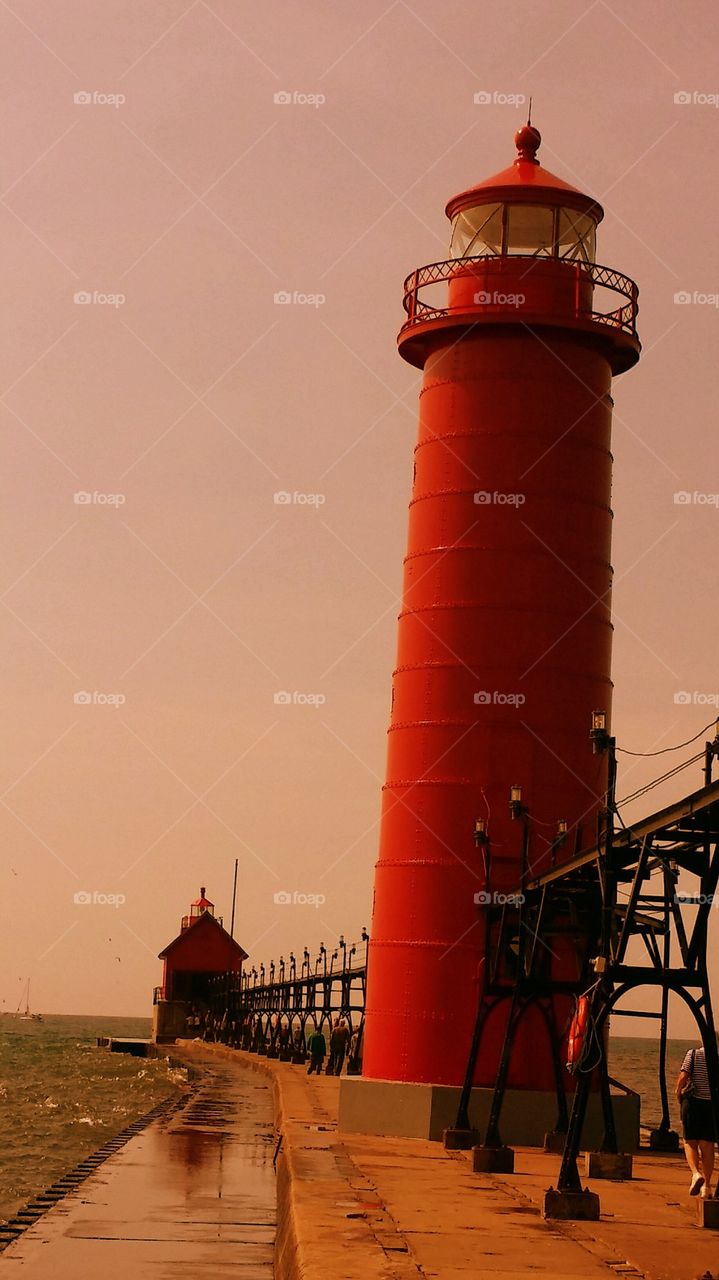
column 189, row 937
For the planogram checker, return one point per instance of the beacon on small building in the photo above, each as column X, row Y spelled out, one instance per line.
column 202, row 950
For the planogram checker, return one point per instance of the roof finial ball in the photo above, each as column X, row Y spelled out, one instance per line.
column 527, row 141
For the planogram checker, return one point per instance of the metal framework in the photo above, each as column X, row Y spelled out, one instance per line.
column 268, row 1010
column 624, row 317
column 620, row 905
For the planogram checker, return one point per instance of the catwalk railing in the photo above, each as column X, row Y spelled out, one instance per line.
column 272, row 1010
column 621, row 292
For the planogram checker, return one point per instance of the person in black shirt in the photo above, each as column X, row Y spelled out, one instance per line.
column 338, row 1047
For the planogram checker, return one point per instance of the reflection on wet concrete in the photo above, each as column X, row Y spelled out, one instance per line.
column 191, row 1196
column 194, row 1149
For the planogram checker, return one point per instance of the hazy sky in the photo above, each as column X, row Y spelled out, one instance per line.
column 181, row 197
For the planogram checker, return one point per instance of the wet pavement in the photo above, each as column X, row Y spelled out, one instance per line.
column 358, row 1207
column 191, row 1196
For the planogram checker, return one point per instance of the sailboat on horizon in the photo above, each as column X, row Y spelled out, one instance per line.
column 26, row 1015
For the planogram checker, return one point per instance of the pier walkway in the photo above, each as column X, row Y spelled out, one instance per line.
column 365, row 1208
column 191, row 1196
column 195, row 1196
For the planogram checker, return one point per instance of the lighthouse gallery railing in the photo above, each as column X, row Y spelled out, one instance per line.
column 623, row 317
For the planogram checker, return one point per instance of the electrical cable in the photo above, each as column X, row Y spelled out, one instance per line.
column 664, row 750
column 664, row 778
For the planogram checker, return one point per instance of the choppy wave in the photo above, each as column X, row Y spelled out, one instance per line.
column 61, row 1097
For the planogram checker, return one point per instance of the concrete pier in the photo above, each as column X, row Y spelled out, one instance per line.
column 357, row 1207
column 196, row 1196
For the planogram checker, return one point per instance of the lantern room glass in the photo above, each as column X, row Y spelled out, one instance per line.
column 196, row 910
column 477, row 233
column 545, row 231
column 530, row 229
column 576, row 235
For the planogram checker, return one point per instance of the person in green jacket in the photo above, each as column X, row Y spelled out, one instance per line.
column 317, row 1047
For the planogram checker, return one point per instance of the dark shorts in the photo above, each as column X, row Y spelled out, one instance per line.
column 698, row 1120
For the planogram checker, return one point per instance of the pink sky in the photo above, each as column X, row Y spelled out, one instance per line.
column 196, row 597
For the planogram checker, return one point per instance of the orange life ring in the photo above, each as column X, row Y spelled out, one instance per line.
column 577, row 1034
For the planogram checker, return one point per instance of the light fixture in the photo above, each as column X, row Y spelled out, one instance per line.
column 598, row 732
column 516, row 807
column 562, row 828
column 480, row 831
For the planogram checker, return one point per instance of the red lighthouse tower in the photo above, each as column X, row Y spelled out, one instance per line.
column 504, row 643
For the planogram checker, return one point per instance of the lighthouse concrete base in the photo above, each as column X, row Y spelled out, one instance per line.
column 395, row 1109
column 169, row 1021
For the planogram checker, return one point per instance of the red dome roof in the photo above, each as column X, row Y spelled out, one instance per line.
column 525, row 182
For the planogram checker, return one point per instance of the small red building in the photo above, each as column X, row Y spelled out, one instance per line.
column 202, row 950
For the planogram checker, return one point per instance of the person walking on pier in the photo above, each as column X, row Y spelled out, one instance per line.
column 317, row 1048
column 694, row 1097
column 338, row 1047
